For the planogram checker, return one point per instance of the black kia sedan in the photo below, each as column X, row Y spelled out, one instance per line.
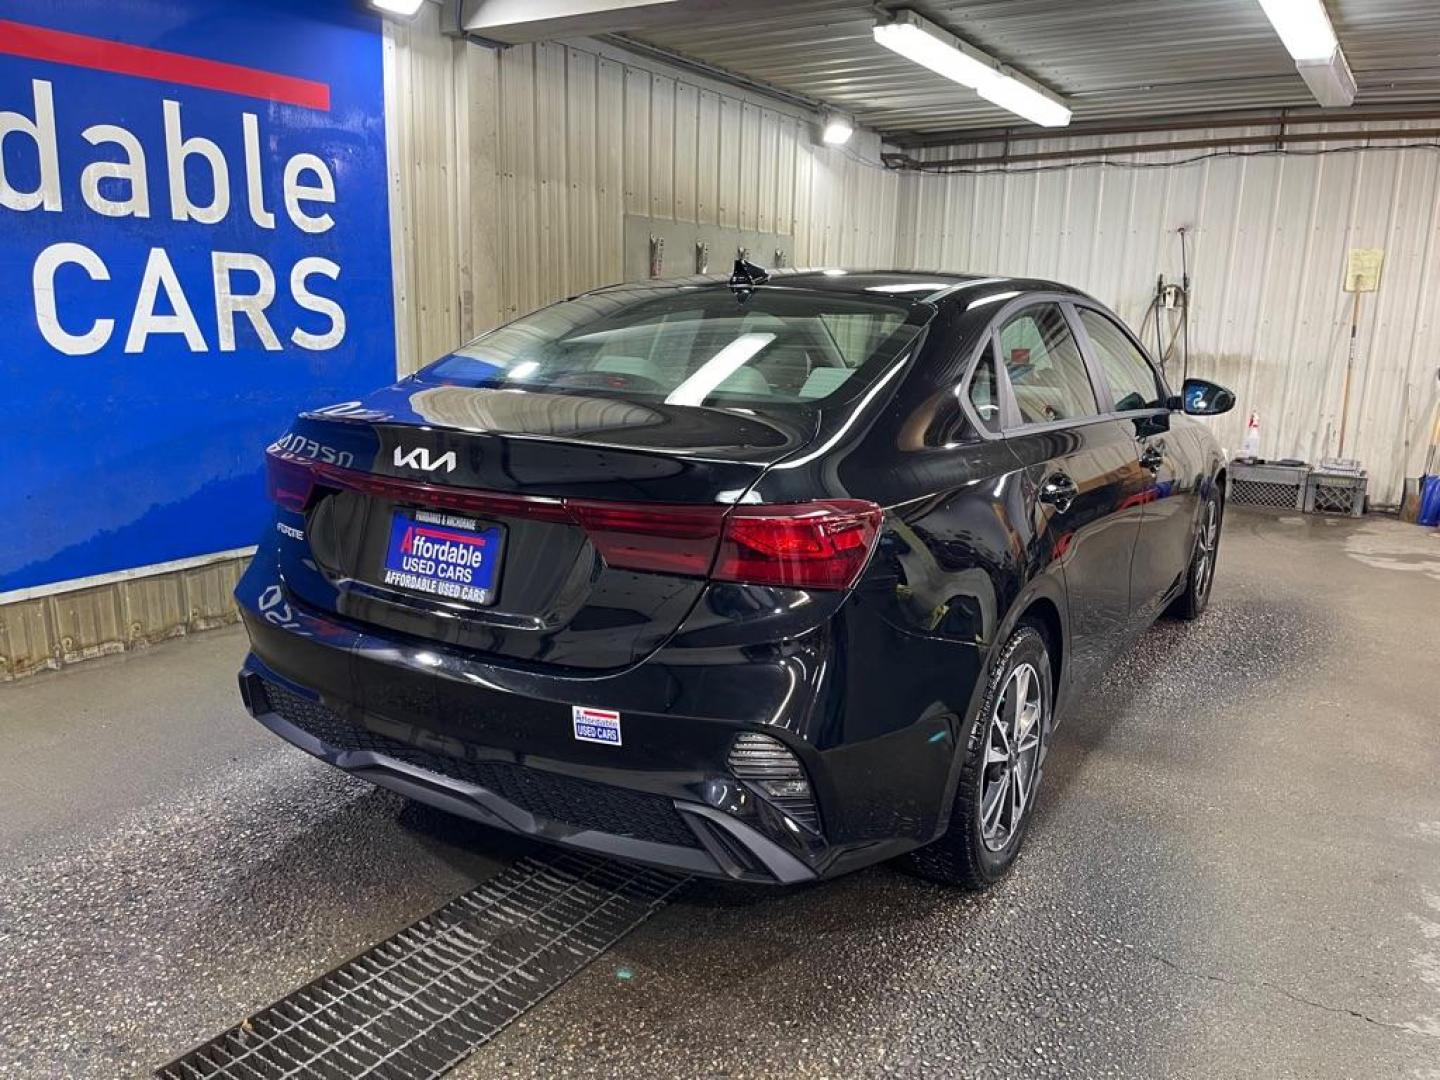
column 767, row 579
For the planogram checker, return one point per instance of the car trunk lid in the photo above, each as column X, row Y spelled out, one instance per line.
column 564, row 530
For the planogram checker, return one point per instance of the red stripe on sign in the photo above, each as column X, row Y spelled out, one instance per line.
column 462, row 538
column 82, row 50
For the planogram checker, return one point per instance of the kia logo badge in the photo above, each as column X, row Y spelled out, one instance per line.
column 419, row 458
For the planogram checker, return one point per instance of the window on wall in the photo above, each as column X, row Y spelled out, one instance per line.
column 1132, row 380
column 1047, row 373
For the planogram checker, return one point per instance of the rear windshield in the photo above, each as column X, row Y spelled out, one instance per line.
column 695, row 346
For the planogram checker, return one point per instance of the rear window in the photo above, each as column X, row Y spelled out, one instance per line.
column 695, row 346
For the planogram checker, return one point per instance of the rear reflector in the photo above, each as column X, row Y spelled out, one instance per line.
column 768, row 763
column 814, row 545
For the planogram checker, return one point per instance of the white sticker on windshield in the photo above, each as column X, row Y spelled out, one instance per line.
column 596, row 725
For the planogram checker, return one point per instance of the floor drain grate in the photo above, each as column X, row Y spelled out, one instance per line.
column 417, row 1004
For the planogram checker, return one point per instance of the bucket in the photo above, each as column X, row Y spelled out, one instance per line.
column 1430, row 501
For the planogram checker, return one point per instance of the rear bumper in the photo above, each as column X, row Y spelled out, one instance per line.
column 496, row 743
column 687, row 836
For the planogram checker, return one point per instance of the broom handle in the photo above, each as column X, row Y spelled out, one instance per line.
column 1434, row 441
column 1349, row 364
column 1434, row 433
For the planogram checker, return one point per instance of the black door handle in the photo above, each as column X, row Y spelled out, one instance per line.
column 1152, row 458
column 1058, row 491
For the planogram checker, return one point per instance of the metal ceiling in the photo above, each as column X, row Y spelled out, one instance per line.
column 1114, row 59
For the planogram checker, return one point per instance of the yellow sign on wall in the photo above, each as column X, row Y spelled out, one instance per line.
column 1362, row 271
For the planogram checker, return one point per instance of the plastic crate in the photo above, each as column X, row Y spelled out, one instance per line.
column 1267, row 486
column 1336, row 493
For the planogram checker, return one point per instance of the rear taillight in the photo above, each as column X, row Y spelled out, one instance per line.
column 816, row 545
column 289, row 482
column 666, row 539
column 819, row 545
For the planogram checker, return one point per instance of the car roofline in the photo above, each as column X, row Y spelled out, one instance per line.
column 949, row 284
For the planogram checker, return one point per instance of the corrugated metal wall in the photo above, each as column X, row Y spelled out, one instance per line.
column 1268, row 238
column 515, row 169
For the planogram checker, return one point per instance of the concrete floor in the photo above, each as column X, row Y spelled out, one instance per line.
column 1235, row 871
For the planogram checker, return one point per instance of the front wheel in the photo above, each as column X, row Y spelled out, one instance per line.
column 1005, row 753
column 1191, row 603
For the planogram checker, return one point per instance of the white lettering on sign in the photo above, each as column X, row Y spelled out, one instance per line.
column 198, row 178
column 323, row 190
column 131, row 170
column 40, row 131
column 43, row 282
column 159, row 274
column 254, row 193
column 452, row 589
column 314, row 302
column 177, row 150
column 229, row 303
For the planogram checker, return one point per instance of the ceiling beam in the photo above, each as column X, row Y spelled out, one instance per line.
column 1232, row 118
column 1277, row 141
column 516, row 22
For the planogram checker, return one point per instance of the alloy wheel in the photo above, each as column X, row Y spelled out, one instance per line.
column 1206, row 543
column 1012, row 757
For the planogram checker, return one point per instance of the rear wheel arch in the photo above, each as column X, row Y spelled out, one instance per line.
column 1045, row 613
column 961, row 852
column 1216, row 484
column 1042, row 605
column 1214, row 487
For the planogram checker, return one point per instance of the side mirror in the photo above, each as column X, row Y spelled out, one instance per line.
column 1201, row 397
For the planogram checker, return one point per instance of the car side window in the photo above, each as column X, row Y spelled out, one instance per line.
column 985, row 391
column 1132, row 380
column 1047, row 373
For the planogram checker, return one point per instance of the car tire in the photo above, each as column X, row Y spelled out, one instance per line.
column 1200, row 576
column 985, row 833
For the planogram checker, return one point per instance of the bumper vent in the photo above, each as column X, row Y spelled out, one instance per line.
column 769, row 765
column 582, row 804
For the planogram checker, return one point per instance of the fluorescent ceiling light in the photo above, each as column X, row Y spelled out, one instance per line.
column 1305, row 30
column 951, row 58
column 838, row 130
column 1303, row 26
column 406, row 8
column 1024, row 101
column 931, row 46
column 1329, row 80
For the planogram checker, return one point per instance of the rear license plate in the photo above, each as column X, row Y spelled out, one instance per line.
column 443, row 555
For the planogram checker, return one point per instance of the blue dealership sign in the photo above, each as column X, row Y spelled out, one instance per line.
column 194, row 244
